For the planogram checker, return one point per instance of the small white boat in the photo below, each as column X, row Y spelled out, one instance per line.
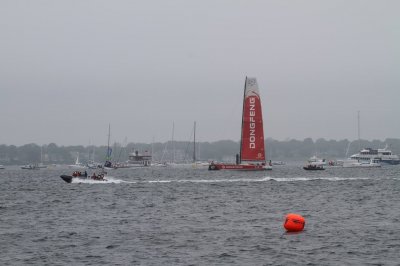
column 200, row 165
column 41, row 165
column 30, row 167
column 2, row 166
column 93, row 165
column 158, row 164
column 314, row 160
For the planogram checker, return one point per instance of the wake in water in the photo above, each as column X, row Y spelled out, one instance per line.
column 293, row 179
column 278, row 179
column 109, row 180
column 225, row 180
column 112, row 180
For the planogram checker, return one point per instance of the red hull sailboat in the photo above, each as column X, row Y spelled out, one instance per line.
column 252, row 150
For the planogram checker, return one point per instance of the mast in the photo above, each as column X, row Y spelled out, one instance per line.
column 173, row 143
column 124, row 144
column 93, row 156
column 152, row 148
column 88, row 154
column 109, row 151
column 108, row 142
column 241, row 128
column 358, row 130
column 194, row 142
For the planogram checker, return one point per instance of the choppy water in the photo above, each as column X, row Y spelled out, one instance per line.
column 198, row 217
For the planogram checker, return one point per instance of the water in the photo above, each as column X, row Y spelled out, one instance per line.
column 198, row 217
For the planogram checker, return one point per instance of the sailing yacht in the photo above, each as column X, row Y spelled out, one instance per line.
column 92, row 164
column 196, row 163
column 35, row 166
column 77, row 164
column 108, row 164
column 41, row 165
column 171, row 162
column 252, row 150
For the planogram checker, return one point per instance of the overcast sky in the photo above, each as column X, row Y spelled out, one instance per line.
column 69, row 68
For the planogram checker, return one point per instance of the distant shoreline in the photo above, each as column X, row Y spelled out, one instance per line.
column 224, row 150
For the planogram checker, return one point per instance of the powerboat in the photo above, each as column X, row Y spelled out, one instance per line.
column 83, row 176
column 315, row 163
column 313, row 167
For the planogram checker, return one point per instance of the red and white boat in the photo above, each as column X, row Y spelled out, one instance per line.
column 252, row 150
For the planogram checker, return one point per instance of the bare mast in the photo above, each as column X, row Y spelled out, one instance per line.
column 358, row 131
column 194, row 142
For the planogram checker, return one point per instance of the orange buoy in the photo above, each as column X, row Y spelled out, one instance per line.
column 294, row 222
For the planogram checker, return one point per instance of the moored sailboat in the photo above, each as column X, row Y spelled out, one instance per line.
column 77, row 165
column 252, row 149
column 196, row 163
column 108, row 164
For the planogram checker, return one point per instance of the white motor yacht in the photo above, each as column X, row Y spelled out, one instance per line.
column 381, row 155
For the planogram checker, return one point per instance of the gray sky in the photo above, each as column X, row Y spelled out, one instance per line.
column 68, row 68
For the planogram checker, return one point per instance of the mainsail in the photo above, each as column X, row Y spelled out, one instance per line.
column 109, row 150
column 252, row 141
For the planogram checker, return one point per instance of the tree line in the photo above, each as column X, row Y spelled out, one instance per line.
column 184, row 151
